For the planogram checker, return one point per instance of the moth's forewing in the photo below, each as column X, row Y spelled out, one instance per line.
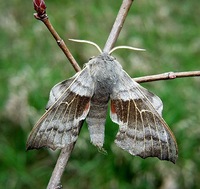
column 142, row 130
column 154, row 100
column 61, row 123
column 58, row 90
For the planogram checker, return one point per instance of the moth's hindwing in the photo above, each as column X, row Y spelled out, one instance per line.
column 68, row 106
column 142, row 130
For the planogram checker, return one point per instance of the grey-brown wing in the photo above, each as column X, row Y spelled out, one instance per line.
column 68, row 106
column 142, row 130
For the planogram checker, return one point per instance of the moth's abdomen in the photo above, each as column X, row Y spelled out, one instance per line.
column 96, row 118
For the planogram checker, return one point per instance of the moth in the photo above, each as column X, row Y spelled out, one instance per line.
column 86, row 96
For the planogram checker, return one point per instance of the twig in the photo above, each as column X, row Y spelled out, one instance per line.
column 61, row 44
column 44, row 18
column 65, row 153
column 63, row 158
column 55, row 179
column 118, row 24
column 166, row 76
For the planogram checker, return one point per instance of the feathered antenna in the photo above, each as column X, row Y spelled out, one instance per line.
column 89, row 42
column 126, row 47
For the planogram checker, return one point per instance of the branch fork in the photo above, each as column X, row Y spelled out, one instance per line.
column 40, row 7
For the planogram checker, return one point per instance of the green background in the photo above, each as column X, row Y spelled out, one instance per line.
column 31, row 63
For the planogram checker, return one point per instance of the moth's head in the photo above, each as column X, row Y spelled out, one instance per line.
column 103, row 56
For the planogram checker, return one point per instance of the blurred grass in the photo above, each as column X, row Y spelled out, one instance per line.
column 31, row 63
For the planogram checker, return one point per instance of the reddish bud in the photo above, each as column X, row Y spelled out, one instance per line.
column 40, row 7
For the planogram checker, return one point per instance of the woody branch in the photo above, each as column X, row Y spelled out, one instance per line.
column 55, row 180
column 40, row 14
column 117, row 26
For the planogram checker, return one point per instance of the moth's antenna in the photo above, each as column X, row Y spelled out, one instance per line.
column 126, row 47
column 89, row 42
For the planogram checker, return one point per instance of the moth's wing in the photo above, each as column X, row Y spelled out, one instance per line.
column 58, row 90
column 61, row 123
column 142, row 130
column 153, row 99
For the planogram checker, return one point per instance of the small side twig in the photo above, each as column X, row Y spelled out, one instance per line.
column 65, row 153
column 167, row 76
column 61, row 44
column 40, row 7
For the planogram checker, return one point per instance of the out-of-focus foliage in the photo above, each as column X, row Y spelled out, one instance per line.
column 31, row 63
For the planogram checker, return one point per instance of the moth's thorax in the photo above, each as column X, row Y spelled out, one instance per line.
column 104, row 69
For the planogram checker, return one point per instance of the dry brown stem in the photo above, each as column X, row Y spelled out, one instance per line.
column 167, row 76
column 118, row 24
column 59, row 41
column 65, row 153
column 55, row 180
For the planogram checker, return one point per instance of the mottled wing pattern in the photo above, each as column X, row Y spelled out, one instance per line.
column 142, row 131
column 68, row 106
